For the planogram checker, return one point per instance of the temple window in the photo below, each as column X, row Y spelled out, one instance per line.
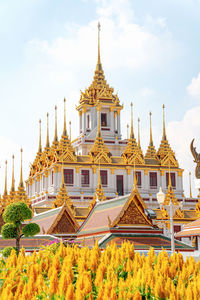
column 173, row 179
column 153, row 179
column 69, row 176
column 104, row 177
column 139, row 179
column 85, row 178
column 103, row 120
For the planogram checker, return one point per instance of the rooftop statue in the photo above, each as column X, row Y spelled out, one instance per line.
column 196, row 159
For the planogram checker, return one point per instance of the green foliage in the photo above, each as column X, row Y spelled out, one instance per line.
column 17, row 213
column 6, row 251
column 30, row 229
column 9, row 231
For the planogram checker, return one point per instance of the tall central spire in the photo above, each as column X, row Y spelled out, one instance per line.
column 99, row 66
column 65, row 127
column 132, row 133
column 56, row 131
column 13, row 175
column 47, row 141
column 164, row 131
column 21, row 172
column 151, row 139
column 40, row 139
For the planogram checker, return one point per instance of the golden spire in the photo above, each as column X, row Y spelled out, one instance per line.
column 56, row 131
column 70, row 130
column 21, row 184
column 139, row 132
column 13, row 175
column 99, row 66
column 132, row 133
column 190, row 184
column 127, row 126
column 151, row 151
column 170, row 196
column 47, row 141
column 164, row 131
column 151, row 139
column 65, row 127
column 40, row 139
column 5, row 188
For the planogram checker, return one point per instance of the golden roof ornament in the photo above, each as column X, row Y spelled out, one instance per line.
column 21, row 194
column 151, row 151
column 165, row 153
column 99, row 152
column 139, row 133
column 99, row 194
column 133, row 154
column 196, row 159
column 62, row 196
column 12, row 190
column 65, row 151
column 170, row 193
column 99, row 91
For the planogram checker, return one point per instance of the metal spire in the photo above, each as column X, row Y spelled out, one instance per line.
column 13, row 175
column 164, row 131
column 40, row 139
column 151, row 139
column 47, row 142
column 132, row 133
column 139, row 132
column 21, row 172
column 56, row 131
column 5, row 188
column 65, row 127
column 99, row 66
column 70, row 130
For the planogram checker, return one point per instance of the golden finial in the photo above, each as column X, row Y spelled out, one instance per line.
column 139, row 132
column 127, row 131
column 70, row 130
column 151, row 139
column 164, row 131
column 132, row 133
column 21, row 173
column 40, row 139
column 5, row 188
column 56, row 130
column 13, row 175
column 65, row 127
column 190, row 184
column 99, row 67
column 47, row 142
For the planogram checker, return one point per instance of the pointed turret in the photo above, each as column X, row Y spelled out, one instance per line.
column 99, row 151
column 62, row 196
column 21, row 194
column 5, row 199
column 133, row 154
column 54, row 146
column 12, row 190
column 47, row 140
column 151, row 155
column 56, row 127
column 40, row 138
column 99, row 89
column 34, row 166
column 65, row 149
column 139, row 133
column 165, row 153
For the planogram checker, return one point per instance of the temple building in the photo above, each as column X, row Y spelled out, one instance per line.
column 100, row 144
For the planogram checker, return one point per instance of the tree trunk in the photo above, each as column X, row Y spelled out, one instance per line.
column 17, row 245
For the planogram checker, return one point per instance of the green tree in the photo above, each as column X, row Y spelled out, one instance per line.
column 14, row 216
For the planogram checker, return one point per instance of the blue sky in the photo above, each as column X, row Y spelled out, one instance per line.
column 150, row 55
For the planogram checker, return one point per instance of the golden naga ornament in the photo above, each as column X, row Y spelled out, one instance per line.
column 196, row 159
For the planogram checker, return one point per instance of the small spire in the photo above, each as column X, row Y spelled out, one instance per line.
column 47, row 142
column 132, row 133
column 5, row 188
column 127, row 126
column 99, row 66
column 56, row 130
column 190, row 184
column 139, row 132
column 151, row 139
column 164, row 131
column 21, row 172
column 70, row 131
column 40, row 139
column 65, row 127
column 13, row 175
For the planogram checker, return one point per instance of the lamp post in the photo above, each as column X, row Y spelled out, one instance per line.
column 161, row 198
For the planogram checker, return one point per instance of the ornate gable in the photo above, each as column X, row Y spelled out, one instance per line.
column 169, row 160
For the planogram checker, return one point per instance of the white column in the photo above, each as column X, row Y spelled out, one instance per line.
column 118, row 124
column 112, row 121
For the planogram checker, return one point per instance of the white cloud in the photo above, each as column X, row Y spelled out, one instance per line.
column 194, row 87
column 180, row 135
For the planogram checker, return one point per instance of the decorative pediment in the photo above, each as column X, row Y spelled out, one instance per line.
column 68, row 156
column 179, row 214
column 197, row 209
column 169, row 160
column 101, row 158
column 134, row 159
